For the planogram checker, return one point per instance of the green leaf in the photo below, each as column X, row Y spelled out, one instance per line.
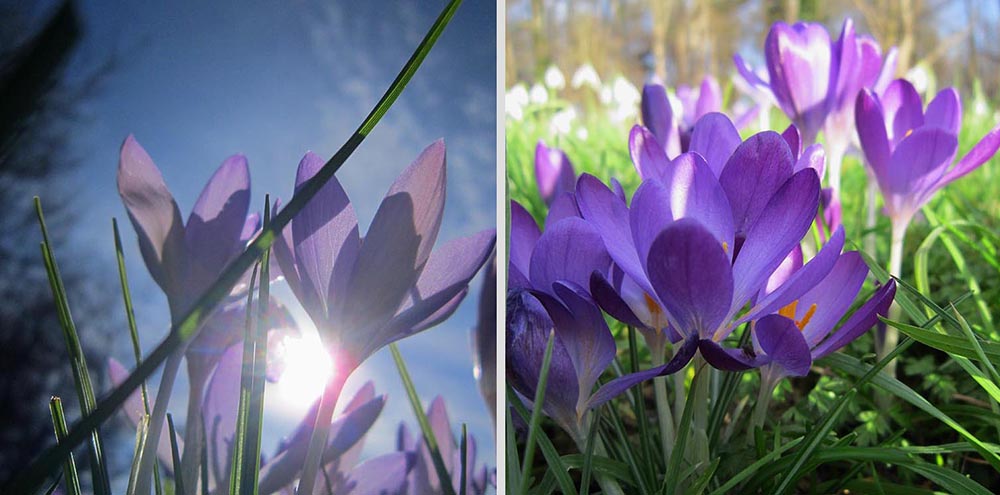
column 69, row 467
column 671, row 479
column 552, row 459
column 175, row 456
column 184, row 329
column 425, row 425
column 237, row 477
column 948, row 479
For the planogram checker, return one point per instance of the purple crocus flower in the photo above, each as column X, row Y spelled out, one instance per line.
column 484, row 340
column 699, row 248
column 814, row 80
column 554, row 172
column 673, row 132
column 364, row 293
column 911, row 150
column 423, row 478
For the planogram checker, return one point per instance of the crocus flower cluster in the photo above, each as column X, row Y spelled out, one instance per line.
column 710, row 241
column 361, row 292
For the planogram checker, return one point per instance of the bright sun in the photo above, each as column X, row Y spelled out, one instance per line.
column 306, row 368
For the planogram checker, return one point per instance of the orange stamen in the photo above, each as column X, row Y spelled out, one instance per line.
column 789, row 312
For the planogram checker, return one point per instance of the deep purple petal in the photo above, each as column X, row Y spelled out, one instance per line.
column 783, row 343
column 709, row 97
column 780, row 227
column 585, row 335
column 872, row 133
column 524, row 234
column 715, row 138
column 611, row 302
column 695, row 192
column 794, row 139
column 647, row 154
column 616, row 387
column 563, row 206
column 570, row 250
column 608, row 214
column 978, row 155
column 658, row 117
column 554, row 172
column 945, row 111
column 920, row 160
column 154, row 214
column 649, row 214
column 832, row 296
column 799, row 65
column 325, row 236
column 728, row 359
column 860, row 322
column 813, row 157
column 758, row 167
column 902, row 109
column 692, row 277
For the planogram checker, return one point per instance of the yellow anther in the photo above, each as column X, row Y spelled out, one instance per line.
column 725, row 247
column 652, row 306
column 789, row 312
column 908, row 132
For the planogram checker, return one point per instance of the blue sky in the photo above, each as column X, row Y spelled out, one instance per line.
column 196, row 83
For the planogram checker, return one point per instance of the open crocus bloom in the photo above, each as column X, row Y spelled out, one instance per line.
column 364, row 293
column 814, row 79
column 554, row 172
column 911, row 150
column 700, row 248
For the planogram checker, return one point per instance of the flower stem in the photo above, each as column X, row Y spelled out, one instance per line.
column 891, row 337
column 148, row 456
column 321, row 431
column 763, row 401
column 834, row 160
column 664, row 416
column 188, row 470
column 872, row 217
column 608, row 485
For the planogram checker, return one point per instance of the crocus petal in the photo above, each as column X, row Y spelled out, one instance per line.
column 783, row 343
column 562, row 207
column 860, row 322
column 791, row 264
column 608, row 299
column 692, row 277
column 153, row 212
column 709, row 97
column 250, row 227
column 888, row 71
column 212, row 232
column 920, row 160
column 618, row 189
column 832, row 296
column 397, row 244
column 647, row 154
column 758, row 167
column 794, row 139
column 728, row 359
column 749, row 75
column 616, row 387
column 649, row 215
column 325, row 236
column 584, row 333
column 570, row 250
column 845, row 68
column 528, row 329
column 554, row 172
column 222, row 398
column 978, row 155
column 872, row 134
column 715, row 138
column 524, row 234
column 945, row 111
column 902, row 109
column 813, row 157
column 780, row 227
column 608, row 213
column 658, row 117
column 801, row 281
column 383, row 474
column 446, row 274
column 696, row 193
column 798, row 62
column 133, row 410
column 870, row 64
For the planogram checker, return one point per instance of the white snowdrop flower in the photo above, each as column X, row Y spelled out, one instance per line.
column 515, row 101
column 625, row 93
column 586, row 75
column 920, row 79
column 562, row 122
column 538, row 94
column 582, row 134
column 605, row 95
column 554, row 78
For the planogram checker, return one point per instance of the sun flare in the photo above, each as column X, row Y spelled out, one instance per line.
column 305, row 368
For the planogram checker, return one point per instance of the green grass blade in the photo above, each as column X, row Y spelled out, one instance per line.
column 133, row 334
column 855, row 367
column 255, row 421
column 670, row 481
column 752, row 469
column 425, row 425
column 588, row 458
column 78, row 362
column 69, row 467
column 55, row 484
column 140, row 444
column 535, row 423
column 512, row 460
column 35, row 474
column 948, row 479
column 236, row 477
column 175, row 456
